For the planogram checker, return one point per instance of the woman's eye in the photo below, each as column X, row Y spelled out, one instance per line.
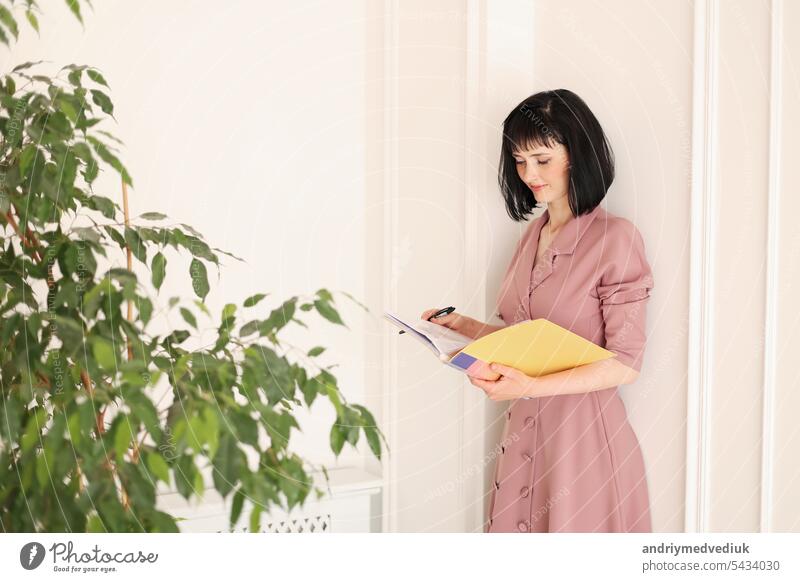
column 543, row 162
column 519, row 161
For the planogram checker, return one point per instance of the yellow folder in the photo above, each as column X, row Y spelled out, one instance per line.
column 536, row 347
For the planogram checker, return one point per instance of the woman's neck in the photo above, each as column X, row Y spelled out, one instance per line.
column 559, row 213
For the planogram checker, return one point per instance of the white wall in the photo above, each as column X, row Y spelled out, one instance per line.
column 632, row 63
column 354, row 145
column 248, row 122
column 742, row 473
column 697, row 100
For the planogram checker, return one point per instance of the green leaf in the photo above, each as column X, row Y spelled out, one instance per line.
column 310, row 389
column 102, row 101
column 199, row 278
column 95, row 76
column 33, row 429
column 88, row 234
column 271, row 372
column 26, row 65
column 279, row 317
column 136, row 245
column 188, row 317
column 242, row 427
column 104, row 354
column 229, row 462
column 26, row 158
column 75, row 77
column 327, row 311
column 8, row 20
column 144, row 410
column 123, row 435
column 95, row 525
column 106, row 207
column 202, row 307
column 371, row 430
column 186, row 476
column 353, row 430
column 44, row 466
column 255, row 519
column 145, row 310
column 158, row 466
column 70, row 333
column 10, row 418
column 236, row 507
column 34, row 22
column 159, row 269
column 356, row 301
column 108, row 157
column 325, row 295
column 249, row 328
column 211, row 430
column 153, row 216
column 338, row 437
column 254, row 299
column 110, row 136
column 313, row 352
column 70, row 107
column 75, row 8
column 228, row 311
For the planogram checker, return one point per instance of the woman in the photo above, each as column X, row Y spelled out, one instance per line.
column 570, row 460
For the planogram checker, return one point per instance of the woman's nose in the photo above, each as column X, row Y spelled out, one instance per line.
column 530, row 176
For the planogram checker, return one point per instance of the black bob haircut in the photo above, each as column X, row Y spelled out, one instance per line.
column 547, row 118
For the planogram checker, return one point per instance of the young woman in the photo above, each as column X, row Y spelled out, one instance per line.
column 570, row 460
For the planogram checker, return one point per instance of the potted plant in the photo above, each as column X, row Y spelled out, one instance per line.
column 83, row 439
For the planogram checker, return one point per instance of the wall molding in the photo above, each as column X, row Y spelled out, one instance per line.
column 472, row 420
column 773, row 264
column 702, row 268
column 391, row 189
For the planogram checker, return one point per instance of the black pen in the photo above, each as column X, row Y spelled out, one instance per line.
column 441, row 312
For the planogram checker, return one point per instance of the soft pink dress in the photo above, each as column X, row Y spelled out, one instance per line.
column 572, row 463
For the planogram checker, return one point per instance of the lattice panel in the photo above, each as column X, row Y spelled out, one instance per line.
column 309, row 524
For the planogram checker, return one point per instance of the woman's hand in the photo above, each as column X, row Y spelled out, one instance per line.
column 511, row 385
column 457, row 322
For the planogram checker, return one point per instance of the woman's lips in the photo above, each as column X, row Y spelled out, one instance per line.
column 538, row 188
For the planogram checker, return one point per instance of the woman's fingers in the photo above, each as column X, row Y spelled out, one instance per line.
column 427, row 313
column 446, row 319
column 478, row 383
column 442, row 320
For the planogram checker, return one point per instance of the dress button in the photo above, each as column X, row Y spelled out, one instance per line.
column 496, row 486
column 508, row 414
column 522, row 526
column 524, row 491
column 529, row 422
column 503, row 450
column 527, row 457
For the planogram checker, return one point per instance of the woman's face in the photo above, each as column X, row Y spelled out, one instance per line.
column 545, row 170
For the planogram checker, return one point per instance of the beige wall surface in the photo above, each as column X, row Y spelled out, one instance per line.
column 354, row 145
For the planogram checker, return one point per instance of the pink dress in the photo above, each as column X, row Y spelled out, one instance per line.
column 572, row 463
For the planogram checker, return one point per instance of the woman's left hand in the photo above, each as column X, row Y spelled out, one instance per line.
column 511, row 385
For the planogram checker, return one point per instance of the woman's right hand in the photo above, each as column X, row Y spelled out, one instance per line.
column 455, row 321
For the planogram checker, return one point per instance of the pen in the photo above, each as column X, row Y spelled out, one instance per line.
column 441, row 312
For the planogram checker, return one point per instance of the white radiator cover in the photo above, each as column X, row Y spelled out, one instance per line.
column 353, row 505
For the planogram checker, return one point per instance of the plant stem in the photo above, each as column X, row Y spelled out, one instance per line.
column 87, row 385
column 31, row 244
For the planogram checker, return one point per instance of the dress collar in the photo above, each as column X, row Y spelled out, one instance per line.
column 569, row 235
column 529, row 278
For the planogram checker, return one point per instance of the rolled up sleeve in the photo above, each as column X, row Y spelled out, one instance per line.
column 624, row 291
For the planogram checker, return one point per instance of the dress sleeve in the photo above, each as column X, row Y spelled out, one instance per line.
column 624, row 290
